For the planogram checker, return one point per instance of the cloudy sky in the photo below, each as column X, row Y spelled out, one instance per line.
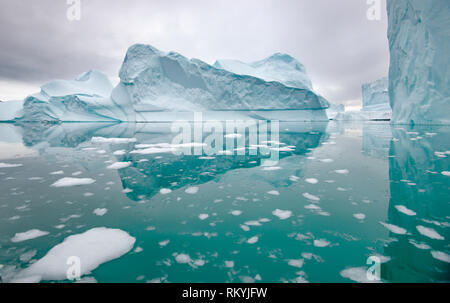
column 339, row 46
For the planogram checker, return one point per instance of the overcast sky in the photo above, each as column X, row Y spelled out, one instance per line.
column 339, row 46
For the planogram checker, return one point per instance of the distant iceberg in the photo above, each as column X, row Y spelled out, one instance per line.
column 419, row 73
column 10, row 110
column 375, row 96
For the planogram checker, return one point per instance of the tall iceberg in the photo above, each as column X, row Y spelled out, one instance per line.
column 419, row 75
column 152, row 80
column 375, row 95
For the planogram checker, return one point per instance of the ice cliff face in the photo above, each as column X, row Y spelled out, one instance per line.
column 279, row 67
column 376, row 96
column 154, row 80
column 87, row 98
column 419, row 75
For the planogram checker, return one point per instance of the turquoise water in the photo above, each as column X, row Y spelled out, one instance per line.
column 352, row 191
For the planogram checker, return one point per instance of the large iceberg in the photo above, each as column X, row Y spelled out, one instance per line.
column 375, row 96
column 154, row 81
column 10, row 110
column 279, row 67
column 419, row 75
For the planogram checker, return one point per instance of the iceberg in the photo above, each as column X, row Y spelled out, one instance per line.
column 375, row 96
column 154, row 81
column 363, row 116
column 419, row 87
column 279, row 67
column 85, row 99
column 334, row 110
column 10, row 110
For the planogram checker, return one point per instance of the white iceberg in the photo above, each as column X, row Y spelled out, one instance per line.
column 419, row 77
column 93, row 248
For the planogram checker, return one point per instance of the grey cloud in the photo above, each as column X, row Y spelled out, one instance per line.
column 340, row 48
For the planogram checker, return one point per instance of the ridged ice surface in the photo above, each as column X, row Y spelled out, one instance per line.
column 419, row 75
column 375, row 96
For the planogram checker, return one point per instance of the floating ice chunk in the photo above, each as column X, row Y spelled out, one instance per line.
column 203, row 216
column 236, row 212
column 442, row 256
column 296, row 262
column 9, row 165
column 321, row 243
column 294, row 178
column 28, row 235
column 66, row 182
column 59, row 172
column 274, row 193
column 312, row 207
column 357, row 274
column 233, row 136
column 394, row 228
column 282, row 214
column 183, row 258
column 154, row 150
column 138, row 249
column 253, row 240
column 229, row 264
column 100, row 211
column 164, row 243
column 405, row 210
column 327, row 160
column 191, row 190
column 119, row 165
column 165, row 191
column 199, row 262
column 113, row 140
column 311, row 197
column 429, row 232
column 93, row 248
column 359, row 216
column 342, row 171
column 446, row 173
column 419, row 245
column 119, row 152
column 252, row 223
column 311, row 180
column 271, row 168
column 244, row 227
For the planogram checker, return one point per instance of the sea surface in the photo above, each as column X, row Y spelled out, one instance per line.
column 337, row 201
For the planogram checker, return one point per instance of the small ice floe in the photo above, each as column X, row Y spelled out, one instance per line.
column 92, row 248
column 253, row 240
column 359, row 216
column 342, row 171
column 113, row 140
column 245, row 227
column 446, row 173
column 191, row 190
column 357, row 274
column 271, row 168
column 229, row 264
column 294, row 178
column 9, row 165
column 311, row 197
column 274, row 193
column 150, row 228
column 296, row 262
column 199, row 262
column 313, row 207
column 327, row 160
column 28, row 235
column 252, row 223
column 88, row 194
column 77, row 173
column 59, row 172
column 100, row 211
column 67, row 182
column 27, row 256
column 311, row 180
column 127, row 191
column 321, row 243
column 236, row 212
column 203, row 216
column 441, row 256
column 429, row 232
column 164, row 243
column 119, row 152
column 183, row 258
column 138, row 250
column 419, row 245
column 394, row 228
column 165, row 191
column 154, row 150
column 282, row 214
column 405, row 210
column 119, row 165
column 101, row 152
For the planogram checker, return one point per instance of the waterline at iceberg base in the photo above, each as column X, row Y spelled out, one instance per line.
column 339, row 194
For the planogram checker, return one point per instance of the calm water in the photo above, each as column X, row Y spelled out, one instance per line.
column 346, row 192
